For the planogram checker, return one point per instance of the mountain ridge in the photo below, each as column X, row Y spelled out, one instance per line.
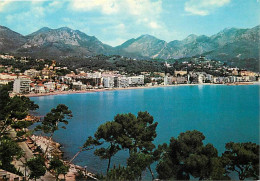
column 65, row 42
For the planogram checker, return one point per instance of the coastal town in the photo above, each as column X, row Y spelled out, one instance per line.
column 54, row 78
column 51, row 77
column 129, row 90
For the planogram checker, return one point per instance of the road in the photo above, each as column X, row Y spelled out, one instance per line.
column 28, row 154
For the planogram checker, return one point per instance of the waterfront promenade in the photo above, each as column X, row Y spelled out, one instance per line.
column 128, row 88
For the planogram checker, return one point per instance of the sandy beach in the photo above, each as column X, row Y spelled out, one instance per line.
column 128, row 88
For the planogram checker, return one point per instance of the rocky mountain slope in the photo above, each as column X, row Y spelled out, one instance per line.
column 55, row 43
column 10, row 40
column 227, row 44
column 64, row 42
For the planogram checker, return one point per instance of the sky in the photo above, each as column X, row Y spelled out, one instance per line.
column 115, row 21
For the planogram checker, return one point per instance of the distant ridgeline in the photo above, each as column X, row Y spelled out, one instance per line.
column 124, row 65
column 235, row 47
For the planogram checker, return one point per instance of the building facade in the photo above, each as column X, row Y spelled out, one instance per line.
column 21, row 85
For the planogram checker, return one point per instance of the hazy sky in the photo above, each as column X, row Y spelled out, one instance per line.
column 115, row 21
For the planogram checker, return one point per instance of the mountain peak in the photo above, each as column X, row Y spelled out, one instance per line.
column 65, row 28
column 3, row 27
column 190, row 38
column 229, row 29
column 147, row 36
column 44, row 29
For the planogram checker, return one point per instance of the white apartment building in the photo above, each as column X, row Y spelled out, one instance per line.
column 21, row 85
column 39, row 88
column 94, row 75
column 136, row 80
column 78, row 86
column 168, row 80
column 50, row 86
column 32, row 73
column 201, row 78
column 108, row 82
column 121, row 82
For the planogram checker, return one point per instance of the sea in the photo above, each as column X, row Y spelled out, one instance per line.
column 222, row 113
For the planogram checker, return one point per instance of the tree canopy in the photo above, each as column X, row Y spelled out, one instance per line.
column 37, row 167
column 127, row 132
column 13, row 109
column 52, row 120
column 242, row 158
column 57, row 115
column 9, row 150
column 58, row 166
column 187, row 156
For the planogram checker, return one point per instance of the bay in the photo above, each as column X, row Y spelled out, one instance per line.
column 222, row 113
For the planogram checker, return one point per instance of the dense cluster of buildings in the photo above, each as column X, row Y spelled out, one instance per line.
column 47, row 79
column 74, row 82
column 44, row 81
column 185, row 77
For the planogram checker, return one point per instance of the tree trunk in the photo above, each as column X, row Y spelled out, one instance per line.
column 108, row 166
column 149, row 167
column 75, row 155
column 48, row 144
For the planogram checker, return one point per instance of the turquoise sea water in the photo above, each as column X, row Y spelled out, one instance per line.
column 221, row 113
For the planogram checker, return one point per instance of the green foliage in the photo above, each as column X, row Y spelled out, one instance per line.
column 9, row 150
column 37, row 167
column 159, row 81
column 136, row 133
column 242, row 158
column 246, row 63
column 138, row 162
column 13, row 108
column 108, row 132
column 51, row 121
column 147, row 80
column 120, row 174
column 62, row 72
column 20, row 133
column 11, row 111
column 22, row 66
column 187, row 156
column 21, row 124
column 90, row 142
column 58, row 166
column 5, row 99
column 127, row 131
column 114, row 62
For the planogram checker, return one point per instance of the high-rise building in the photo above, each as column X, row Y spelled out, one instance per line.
column 21, row 85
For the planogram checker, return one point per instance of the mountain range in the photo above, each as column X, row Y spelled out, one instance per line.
column 64, row 42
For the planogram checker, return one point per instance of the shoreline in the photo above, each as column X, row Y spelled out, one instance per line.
column 54, row 149
column 129, row 88
column 73, row 166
